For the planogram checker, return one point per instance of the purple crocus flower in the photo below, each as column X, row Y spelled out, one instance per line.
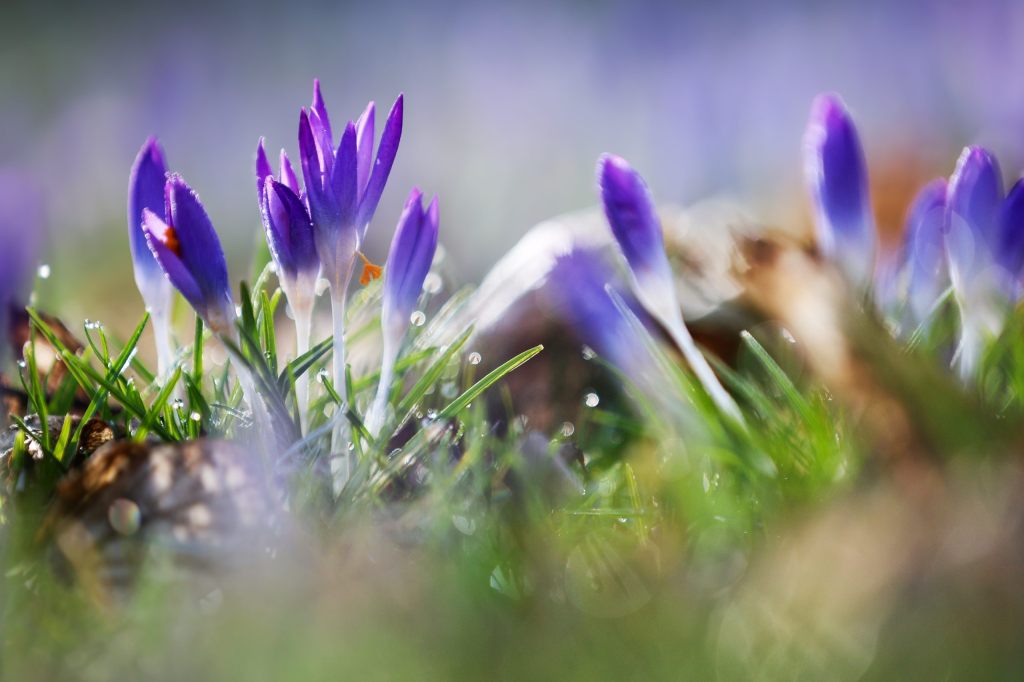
column 925, row 251
column 21, row 235
column 343, row 187
column 973, row 239
column 146, row 191
column 288, row 226
column 630, row 211
column 579, row 281
column 409, row 261
column 1011, row 248
column 188, row 250
column 289, row 231
column 836, row 172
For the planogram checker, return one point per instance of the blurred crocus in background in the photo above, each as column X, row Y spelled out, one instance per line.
column 836, row 173
column 146, row 192
column 973, row 236
column 289, row 232
column 412, row 252
column 21, row 237
column 924, row 252
column 630, row 211
column 343, row 187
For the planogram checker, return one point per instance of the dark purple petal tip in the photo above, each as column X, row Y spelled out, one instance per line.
column 630, row 211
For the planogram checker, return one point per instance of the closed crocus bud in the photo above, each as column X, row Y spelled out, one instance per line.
column 188, row 250
column 836, row 173
column 146, row 192
column 21, row 234
column 973, row 211
column 412, row 253
column 973, row 218
column 630, row 211
column 1011, row 250
column 409, row 260
column 925, row 249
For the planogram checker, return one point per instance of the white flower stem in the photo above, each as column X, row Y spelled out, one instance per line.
column 162, row 334
column 375, row 417
column 303, row 323
column 342, row 466
column 699, row 364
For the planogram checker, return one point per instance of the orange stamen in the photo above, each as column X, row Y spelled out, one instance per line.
column 170, row 240
column 370, row 270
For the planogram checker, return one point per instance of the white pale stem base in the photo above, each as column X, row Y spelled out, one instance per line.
column 375, row 417
column 303, row 323
column 699, row 364
column 162, row 335
column 342, row 463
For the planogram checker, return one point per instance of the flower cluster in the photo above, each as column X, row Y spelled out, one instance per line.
column 965, row 231
column 313, row 230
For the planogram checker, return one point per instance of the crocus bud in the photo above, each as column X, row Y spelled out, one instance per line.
column 289, row 235
column 630, row 211
column 836, row 173
column 409, row 260
column 1011, row 250
column 188, row 250
column 925, row 249
column 146, row 191
column 972, row 226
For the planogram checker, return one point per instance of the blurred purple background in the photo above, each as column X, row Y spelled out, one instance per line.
column 507, row 105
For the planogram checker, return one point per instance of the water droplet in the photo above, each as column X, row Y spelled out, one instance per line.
column 432, row 283
column 588, row 353
column 568, row 428
column 44, row 271
column 22, row 364
column 195, row 416
column 449, row 389
column 474, row 358
column 178, row 404
column 440, row 254
column 321, row 376
column 417, row 318
column 464, row 524
column 124, row 516
column 238, row 310
column 591, row 399
column 787, row 335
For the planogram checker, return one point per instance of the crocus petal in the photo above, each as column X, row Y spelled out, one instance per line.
column 288, row 174
column 577, row 283
column 199, row 250
column 386, row 152
column 321, row 127
column 343, row 180
column 276, row 223
column 263, row 169
column 311, row 173
column 162, row 241
column 630, row 211
column 972, row 214
column 409, row 259
column 836, row 172
column 1011, row 227
column 926, row 250
column 289, row 231
column 145, row 190
column 364, row 146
